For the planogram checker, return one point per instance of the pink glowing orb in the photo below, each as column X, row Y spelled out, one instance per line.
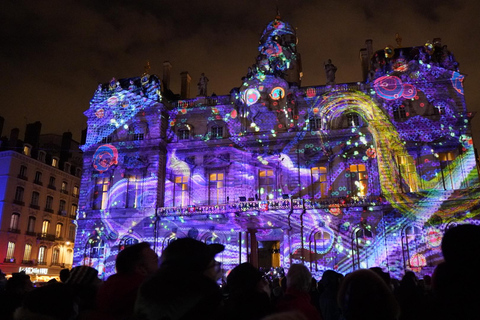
column 251, row 96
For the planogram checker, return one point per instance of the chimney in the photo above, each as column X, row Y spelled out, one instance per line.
column 14, row 137
column 167, row 67
column 185, row 89
column 364, row 62
column 65, row 153
column 32, row 134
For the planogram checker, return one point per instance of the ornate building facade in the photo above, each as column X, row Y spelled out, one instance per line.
column 337, row 176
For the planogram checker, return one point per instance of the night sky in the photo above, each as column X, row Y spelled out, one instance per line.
column 54, row 53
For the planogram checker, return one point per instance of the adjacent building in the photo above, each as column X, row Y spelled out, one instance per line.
column 39, row 193
column 335, row 176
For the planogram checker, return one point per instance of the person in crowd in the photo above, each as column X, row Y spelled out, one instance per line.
column 54, row 301
column 185, row 286
column 456, row 281
column 330, row 283
column 248, row 294
column 288, row 315
column 64, row 274
column 297, row 297
column 116, row 297
column 364, row 295
column 84, row 283
column 410, row 297
column 16, row 289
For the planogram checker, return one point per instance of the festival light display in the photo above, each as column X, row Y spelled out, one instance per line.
column 342, row 177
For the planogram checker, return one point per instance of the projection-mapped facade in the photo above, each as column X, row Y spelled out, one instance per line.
column 340, row 176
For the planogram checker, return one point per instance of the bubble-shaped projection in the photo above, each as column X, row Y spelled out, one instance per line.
column 251, row 96
column 457, row 82
column 418, row 260
column 389, row 87
column 100, row 113
column 277, row 93
column 104, row 157
column 434, row 238
column 409, row 91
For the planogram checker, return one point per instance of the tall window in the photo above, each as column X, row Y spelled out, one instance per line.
column 217, row 132
column 42, row 254
column 180, row 191
column 14, row 222
column 64, row 187
column 73, row 211
column 31, row 225
column 359, row 176
column 216, row 188
column 61, row 207
column 51, row 183
column 446, row 159
column 400, row 113
column 38, row 178
column 35, row 199
column 10, row 251
column 49, row 204
column 55, row 256
column 134, row 190
column 71, row 232
column 58, row 230
column 19, row 195
column 408, row 173
column 319, row 182
column 45, row 227
column 23, row 172
column 322, row 241
column 54, row 162
column 266, row 184
column 95, row 248
column 28, row 252
column 100, row 197
column 76, row 191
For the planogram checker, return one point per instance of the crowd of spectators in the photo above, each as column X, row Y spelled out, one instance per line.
column 184, row 284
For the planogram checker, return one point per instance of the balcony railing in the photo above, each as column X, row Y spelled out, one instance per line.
column 13, row 230
column 42, row 263
column 34, row 206
column 9, row 260
column 64, row 191
column 46, row 236
column 19, row 202
column 28, row 262
column 73, row 216
column 38, row 182
column 21, row 176
column 50, row 186
column 48, row 210
column 265, row 205
column 30, row 233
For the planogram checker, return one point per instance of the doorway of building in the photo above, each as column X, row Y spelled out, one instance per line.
column 268, row 254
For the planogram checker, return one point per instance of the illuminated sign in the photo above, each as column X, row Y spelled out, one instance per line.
column 29, row 270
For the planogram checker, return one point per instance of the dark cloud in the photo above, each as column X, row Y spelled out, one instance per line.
column 54, row 54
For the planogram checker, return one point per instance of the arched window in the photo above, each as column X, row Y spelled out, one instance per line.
column 19, row 196
column 216, row 186
column 35, row 199
column 353, row 120
column 58, row 231
column 27, row 253
column 180, row 190
column 359, row 179
column 31, row 226
column 10, row 252
column 126, row 242
column 56, row 256
column 14, row 222
column 45, row 227
column 362, row 238
column 95, row 248
column 42, row 255
column 413, row 241
column 319, row 182
column 266, row 184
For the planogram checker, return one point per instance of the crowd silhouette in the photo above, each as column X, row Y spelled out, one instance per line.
column 183, row 285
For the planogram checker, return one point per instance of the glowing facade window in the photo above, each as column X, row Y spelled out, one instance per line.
column 55, row 256
column 322, row 241
column 100, row 196
column 266, row 184
column 319, row 182
column 42, row 255
column 73, row 211
column 27, row 253
column 134, row 190
column 315, row 124
column 45, row 227
column 76, row 192
column 408, row 172
column 446, row 167
column 27, row 149
column 10, row 251
column 180, row 191
column 58, row 230
column 54, row 162
column 358, row 173
column 216, row 183
column 64, row 188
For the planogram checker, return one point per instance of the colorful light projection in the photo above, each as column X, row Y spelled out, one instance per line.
column 104, row 157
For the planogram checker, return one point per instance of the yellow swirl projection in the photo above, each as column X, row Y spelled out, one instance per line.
column 389, row 145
